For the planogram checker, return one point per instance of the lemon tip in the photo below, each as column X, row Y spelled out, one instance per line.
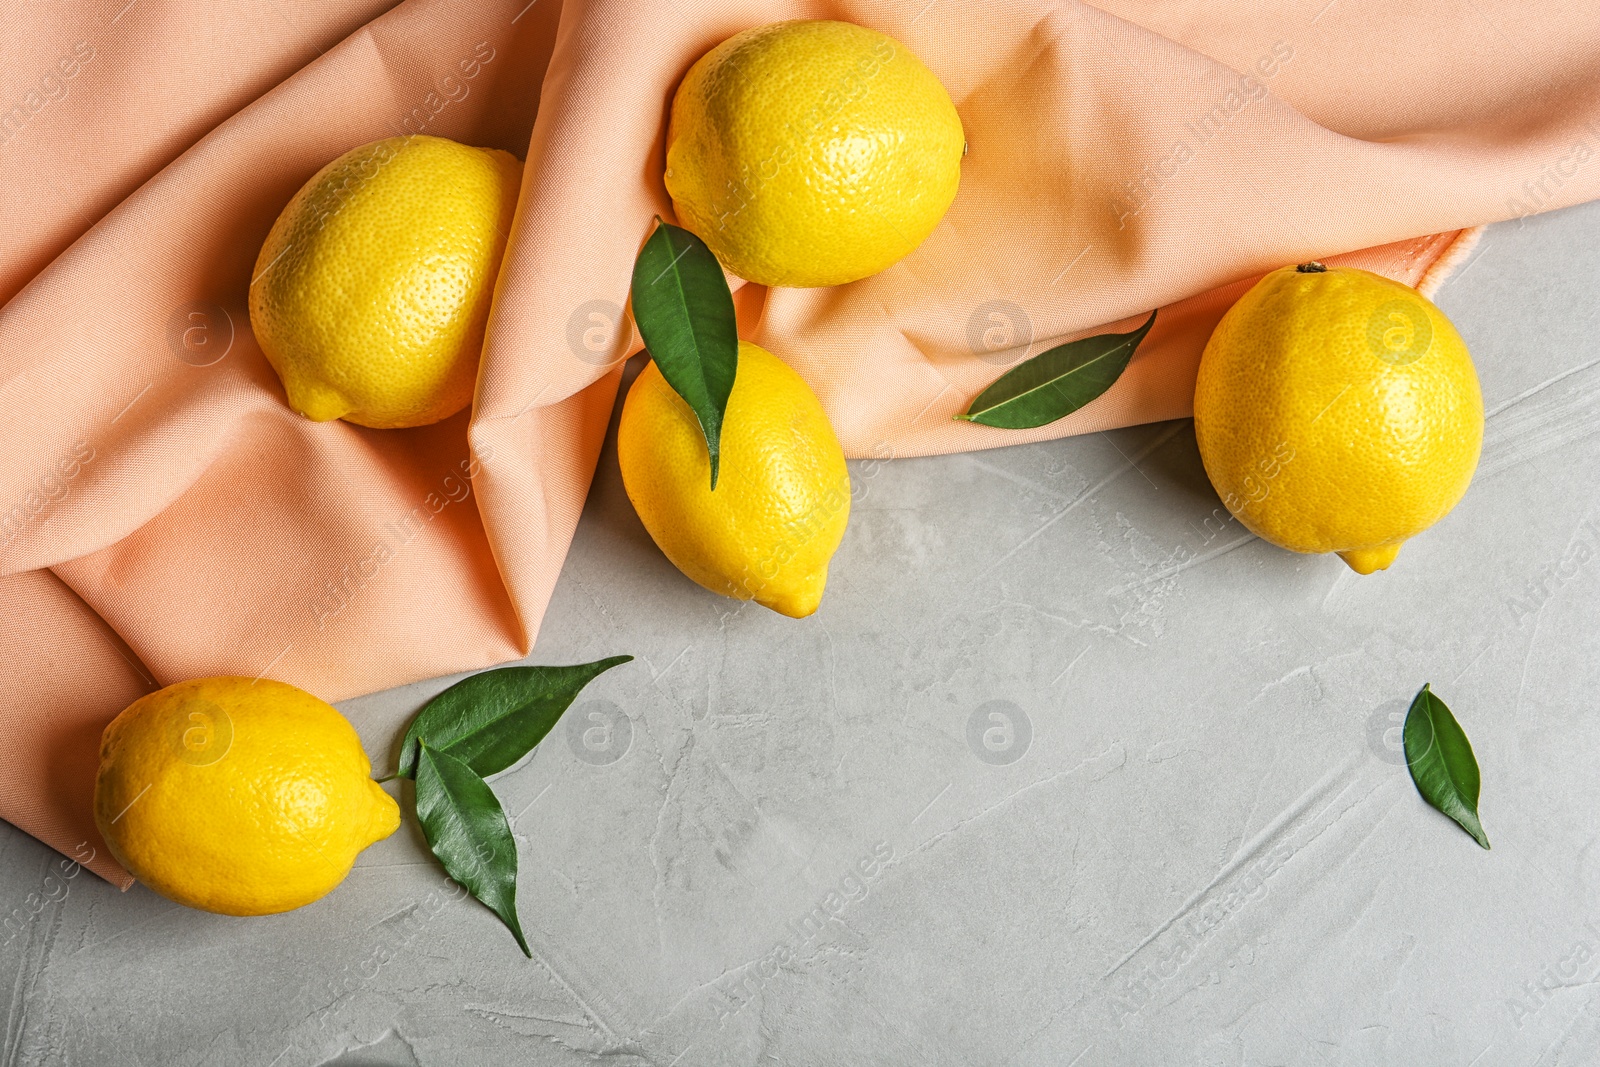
column 796, row 601
column 1368, row 560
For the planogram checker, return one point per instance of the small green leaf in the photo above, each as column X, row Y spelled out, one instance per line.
column 491, row 720
column 1440, row 759
column 685, row 315
column 467, row 830
column 1057, row 382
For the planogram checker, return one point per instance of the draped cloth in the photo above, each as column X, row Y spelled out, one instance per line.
column 164, row 515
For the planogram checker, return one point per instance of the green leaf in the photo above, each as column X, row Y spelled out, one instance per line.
column 1441, row 762
column 467, row 830
column 685, row 314
column 1057, row 382
column 491, row 720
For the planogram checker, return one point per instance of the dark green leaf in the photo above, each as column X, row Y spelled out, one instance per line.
column 1057, row 382
column 493, row 719
column 1441, row 762
column 685, row 315
column 467, row 830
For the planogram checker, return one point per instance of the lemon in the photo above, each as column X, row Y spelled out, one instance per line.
column 370, row 294
column 768, row 530
column 1338, row 411
column 237, row 796
column 812, row 153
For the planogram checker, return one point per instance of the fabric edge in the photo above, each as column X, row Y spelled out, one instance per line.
column 1458, row 252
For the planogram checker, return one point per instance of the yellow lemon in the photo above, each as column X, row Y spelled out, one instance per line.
column 370, row 294
column 239, row 796
column 812, row 153
column 1338, row 411
column 768, row 530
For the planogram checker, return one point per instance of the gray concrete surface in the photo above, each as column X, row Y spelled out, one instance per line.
column 1063, row 773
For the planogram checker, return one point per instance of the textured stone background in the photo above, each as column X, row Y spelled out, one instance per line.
column 1187, row 838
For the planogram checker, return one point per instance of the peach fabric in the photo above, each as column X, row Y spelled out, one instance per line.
column 163, row 514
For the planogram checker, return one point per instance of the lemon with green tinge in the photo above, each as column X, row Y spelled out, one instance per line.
column 239, row 796
column 812, row 152
column 1338, row 411
column 370, row 295
column 768, row 530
